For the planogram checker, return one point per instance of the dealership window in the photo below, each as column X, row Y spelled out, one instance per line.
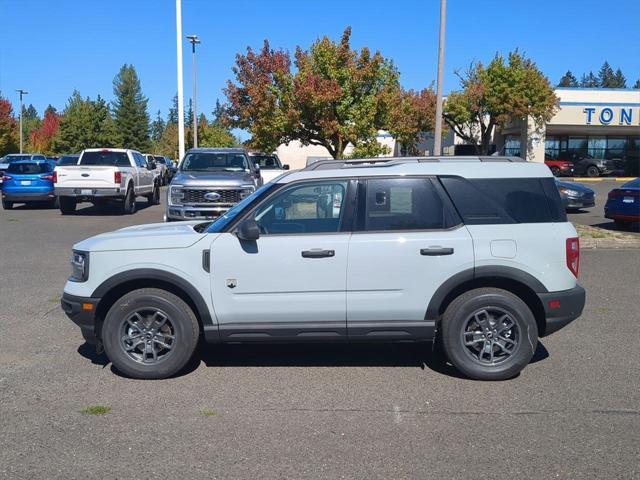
column 596, row 147
column 512, row 146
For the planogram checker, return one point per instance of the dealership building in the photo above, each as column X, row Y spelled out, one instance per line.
column 590, row 122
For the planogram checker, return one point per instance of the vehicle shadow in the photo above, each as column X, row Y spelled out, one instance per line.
column 109, row 209
column 614, row 227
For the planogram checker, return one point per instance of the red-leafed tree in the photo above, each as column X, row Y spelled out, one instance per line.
column 8, row 128
column 41, row 139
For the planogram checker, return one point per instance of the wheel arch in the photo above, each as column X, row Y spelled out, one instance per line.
column 518, row 282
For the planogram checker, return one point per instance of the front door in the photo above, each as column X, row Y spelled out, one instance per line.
column 408, row 242
column 291, row 282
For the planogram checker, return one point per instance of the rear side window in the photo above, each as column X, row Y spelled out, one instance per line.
column 108, row 158
column 505, row 200
column 28, row 168
column 405, row 204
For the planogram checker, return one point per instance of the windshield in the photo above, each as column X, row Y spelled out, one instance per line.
column 28, row 168
column 68, row 160
column 227, row 218
column 214, row 162
column 266, row 162
column 108, row 158
column 15, row 158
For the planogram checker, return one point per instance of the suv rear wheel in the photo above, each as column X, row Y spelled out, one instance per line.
column 150, row 333
column 489, row 334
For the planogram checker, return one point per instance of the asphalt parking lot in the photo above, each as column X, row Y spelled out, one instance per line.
column 365, row 411
column 595, row 216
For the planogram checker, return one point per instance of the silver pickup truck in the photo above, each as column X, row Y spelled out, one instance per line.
column 209, row 182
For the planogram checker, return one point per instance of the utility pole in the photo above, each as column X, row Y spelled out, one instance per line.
column 21, row 92
column 437, row 139
column 194, row 39
column 180, row 86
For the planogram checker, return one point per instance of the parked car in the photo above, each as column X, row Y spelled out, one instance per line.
column 209, row 182
column 623, row 203
column 594, row 167
column 559, row 167
column 476, row 254
column 170, row 168
column 270, row 165
column 104, row 174
column 575, row 195
column 68, row 160
column 28, row 181
column 14, row 157
column 160, row 169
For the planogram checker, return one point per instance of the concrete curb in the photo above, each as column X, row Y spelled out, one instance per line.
column 597, row 179
column 609, row 244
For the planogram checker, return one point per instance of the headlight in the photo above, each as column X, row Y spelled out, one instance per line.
column 176, row 195
column 247, row 190
column 79, row 266
column 569, row 192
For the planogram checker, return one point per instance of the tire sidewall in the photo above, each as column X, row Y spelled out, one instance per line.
column 592, row 171
column 454, row 322
column 129, row 202
column 184, row 344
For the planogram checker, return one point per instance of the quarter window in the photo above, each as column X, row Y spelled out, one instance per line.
column 404, row 204
column 309, row 208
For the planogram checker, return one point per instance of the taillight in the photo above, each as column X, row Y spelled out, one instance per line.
column 117, row 177
column 6, row 177
column 54, row 178
column 573, row 255
column 614, row 194
column 47, row 177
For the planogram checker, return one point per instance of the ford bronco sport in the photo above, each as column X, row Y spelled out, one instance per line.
column 472, row 252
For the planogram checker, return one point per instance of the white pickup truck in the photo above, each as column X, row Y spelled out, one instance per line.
column 104, row 174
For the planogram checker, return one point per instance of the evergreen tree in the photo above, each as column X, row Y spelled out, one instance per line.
column 568, row 80
column 218, row 113
column 130, row 110
column 637, row 84
column 589, row 81
column 606, row 77
column 30, row 122
column 157, row 128
column 50, row 110
column 172, row 118
column 619, row 79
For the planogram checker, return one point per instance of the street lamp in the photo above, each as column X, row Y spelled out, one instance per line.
column 179, row 73
column 21, row 92
column 437, row 140
column 194, row 39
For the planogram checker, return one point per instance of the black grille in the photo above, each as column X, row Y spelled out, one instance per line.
column 198, row 196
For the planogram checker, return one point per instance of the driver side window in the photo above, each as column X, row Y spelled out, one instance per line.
column 309, row 208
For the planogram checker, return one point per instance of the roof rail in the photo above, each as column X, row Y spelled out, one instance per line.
column 392, row 161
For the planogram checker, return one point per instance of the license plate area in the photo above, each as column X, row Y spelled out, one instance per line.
column 25, row 182
column 627, row 199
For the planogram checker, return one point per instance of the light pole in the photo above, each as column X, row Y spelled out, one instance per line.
column 437, row 140
column 194, row 39
column 21, row 92
column 180, row 86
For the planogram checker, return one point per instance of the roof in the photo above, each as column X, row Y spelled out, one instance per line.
column 218, row 150
column 469, row 167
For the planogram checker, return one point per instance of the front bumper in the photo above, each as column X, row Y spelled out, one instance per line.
column 577, row 202
column 561, row 308
column 89, row 192
column 82, row 312
column 20, row 197
column 194, row 212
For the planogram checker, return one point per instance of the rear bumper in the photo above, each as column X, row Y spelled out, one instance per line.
column 562, row 308
column 89, row 192
column 17, row 196
column 77, row 309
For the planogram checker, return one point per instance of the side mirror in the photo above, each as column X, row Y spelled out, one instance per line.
column 257, row 165
column 151, row 165
column 248, row 230
column 285, row 166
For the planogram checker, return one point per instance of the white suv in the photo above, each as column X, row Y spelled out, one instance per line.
column 473, row 252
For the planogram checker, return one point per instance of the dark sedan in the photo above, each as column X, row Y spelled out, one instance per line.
column 623, row 203
column 575, row 195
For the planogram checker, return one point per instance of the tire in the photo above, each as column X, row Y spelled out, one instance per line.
column 555, row 171
column 7, row 205
column 129, row 202
column 593, row 171
column 154, row 197
column 120, row 331
column 67, row 205
column 494, row 363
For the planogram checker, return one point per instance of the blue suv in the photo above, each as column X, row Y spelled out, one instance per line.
column 27, row 181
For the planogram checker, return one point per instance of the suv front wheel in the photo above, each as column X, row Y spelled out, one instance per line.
column 489, row 334
column 150, row 333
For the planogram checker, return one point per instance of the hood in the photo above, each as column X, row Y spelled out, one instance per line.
column 578, row 187
column 144, row 237
column 213, row 179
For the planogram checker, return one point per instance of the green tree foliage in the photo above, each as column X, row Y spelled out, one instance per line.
column 130, row 110
column 620, row 80
column 411, row 114
column 157, row 128
column 495, row 95
column 85, row 123
column 336, row 96
column 368, row 149
column 589, row 81
column 637, row 84
column 568, row 80
column 173, row 111
column 8, row 128
column 168, row 143
column 606, row 76
column 30, row 122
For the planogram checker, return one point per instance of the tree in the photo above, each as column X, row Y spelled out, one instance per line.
column 568, row 80
column 50, row 109
column 168, row 143
column 337, row 95
column 30, row 122
column 173, row 111
column 606, row 77
column 619, row 79
column 589, row 81
column 411, row 114
column 130, row 110
column 157, row 128
column 8, row 128
column 218, row 113
column 496, row 95
column 41, row 139
column 637, row 84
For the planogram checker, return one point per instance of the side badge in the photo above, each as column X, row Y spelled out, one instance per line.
column 231, row 282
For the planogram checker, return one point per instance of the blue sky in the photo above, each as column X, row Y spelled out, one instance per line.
column 50, row 47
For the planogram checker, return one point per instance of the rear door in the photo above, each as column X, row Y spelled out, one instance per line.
column 408, row 242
